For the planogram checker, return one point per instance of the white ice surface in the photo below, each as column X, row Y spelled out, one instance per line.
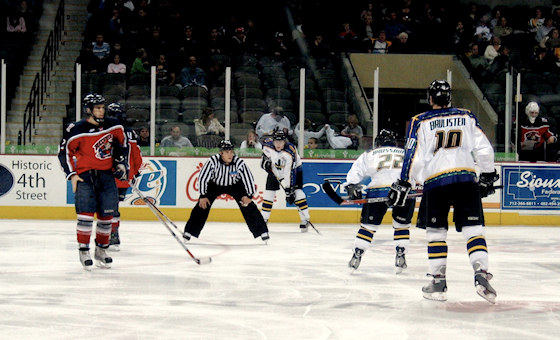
column 296, row 287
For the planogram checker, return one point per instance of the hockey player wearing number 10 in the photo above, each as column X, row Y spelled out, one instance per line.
column 445, row 146
column 281, row 160
column 382, row 166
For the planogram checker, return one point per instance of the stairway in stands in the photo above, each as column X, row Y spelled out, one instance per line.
column 48, row 129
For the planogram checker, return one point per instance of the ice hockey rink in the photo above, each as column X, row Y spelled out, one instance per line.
column 298, row 286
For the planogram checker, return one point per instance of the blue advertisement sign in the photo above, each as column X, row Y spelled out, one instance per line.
column 314, row 174
column 157, row 181
column 530, row 187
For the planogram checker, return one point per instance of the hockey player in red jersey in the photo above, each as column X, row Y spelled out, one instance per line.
column 535, row 137
column 134, row 160
column 89, row 151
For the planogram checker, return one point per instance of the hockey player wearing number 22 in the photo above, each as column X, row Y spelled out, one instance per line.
column 89, row 151
column 444, row 147
column 382, row 166
column 283, row 164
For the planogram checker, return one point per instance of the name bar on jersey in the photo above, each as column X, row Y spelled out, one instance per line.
column 447, row 122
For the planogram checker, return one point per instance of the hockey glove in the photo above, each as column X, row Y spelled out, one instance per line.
column 266, row 164
column 486, row 183
column 354, row 191
column 121, row 171
column 397, row 194
column 290, row 195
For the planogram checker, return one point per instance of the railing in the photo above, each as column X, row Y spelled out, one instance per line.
column 39, row 88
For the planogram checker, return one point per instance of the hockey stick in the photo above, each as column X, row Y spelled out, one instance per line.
column 327, row 187
column 164, row 219
column 281, row 186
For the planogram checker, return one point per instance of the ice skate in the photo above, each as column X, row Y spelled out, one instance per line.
column 85, row 259
column 437, row 288
column 356, row 258
column 114, row 242
column 483, row 287
column 102, row 259
column 187, row 236
column 400, row 260
column 304, row 226
column 265, row 237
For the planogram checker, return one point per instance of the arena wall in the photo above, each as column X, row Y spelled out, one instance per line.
column 34, row 187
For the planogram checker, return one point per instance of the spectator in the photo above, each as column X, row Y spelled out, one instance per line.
column 348, row 40
column 141, row 63
column 544, row 29
column 88, row 61
column 116, row 30
column 366, row 31
column 335, row 140
column 367, row 11
column 192, row 75
column 541, row 62
column 278, row 47
column 502, row 29
column 401, row 45
column 101, row 50
column 238, row 43
column 353, row 130
column 491, row 51
column 116, row 66
column 188, row 46
column 312, row 143
column 273, row 121
column 144, row 136
column 140, row 25
column 26, row 13
column 379, row 45
column 15, row 23
column 394, row 26
column 164, row 76
column 495, row 21
column 208, row 124
column 251, row 141
column 502, row 62
column 216, row 74
column 535, row 22
column 534, row 136
column 482, row 33
column 176, row 139
column 308, row 131
column 215, row 44
column 156, row 45
column 461, row 38
column 321, row 51
column 475, row 63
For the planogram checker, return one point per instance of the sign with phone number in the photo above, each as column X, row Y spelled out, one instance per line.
column 530, row 187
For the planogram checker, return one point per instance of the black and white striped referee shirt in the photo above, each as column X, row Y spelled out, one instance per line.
column 216, row 171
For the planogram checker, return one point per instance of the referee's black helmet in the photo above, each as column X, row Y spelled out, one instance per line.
column 225, row 145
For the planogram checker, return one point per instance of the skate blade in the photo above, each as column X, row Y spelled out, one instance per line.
column 87, row 268
column 102, row 264
column 303, row 230
column 399, row 270
column 435, row 296
column 485, row 294
column 114, row 247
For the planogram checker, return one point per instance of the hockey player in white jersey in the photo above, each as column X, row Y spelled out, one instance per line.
column 382, row 166
column 283, row 164
column 445, row 147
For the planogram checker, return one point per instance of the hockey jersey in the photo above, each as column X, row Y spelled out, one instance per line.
column 532, row 136
column 382, row 165
column 284, row 162
column 446, row 146
column 85, row 146
column 134, row 157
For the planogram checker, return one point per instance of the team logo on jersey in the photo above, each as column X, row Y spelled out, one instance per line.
column 103, row 147
column 6, row 180
column 233, row 173
column 280, row 164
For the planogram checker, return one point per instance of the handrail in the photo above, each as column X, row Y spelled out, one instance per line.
column 39, row 88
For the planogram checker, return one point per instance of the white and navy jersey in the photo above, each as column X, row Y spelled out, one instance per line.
column 221, row 174
column 284, row 162
column 446, row 146
column 382, row 165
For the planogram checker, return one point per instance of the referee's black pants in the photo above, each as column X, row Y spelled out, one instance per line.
column 251, row 213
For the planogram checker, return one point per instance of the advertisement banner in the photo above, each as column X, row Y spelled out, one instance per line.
column 529, row 187
column 315, row 173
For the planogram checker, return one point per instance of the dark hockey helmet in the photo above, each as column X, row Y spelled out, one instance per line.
column 440, row 91
column 225, row 145
column 116, row 110
column 91, row 100
column 279, row 135
column 386, row 138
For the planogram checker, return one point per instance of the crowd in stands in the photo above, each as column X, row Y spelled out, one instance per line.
column 192, row 42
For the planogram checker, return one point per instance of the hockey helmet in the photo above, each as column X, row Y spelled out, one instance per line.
column 279, row 135
column 90, row 101
column 225, row 145
column 116, row 110
column 440, row 91
column 386, row 138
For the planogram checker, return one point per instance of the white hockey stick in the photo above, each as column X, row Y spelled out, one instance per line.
column 164, row 219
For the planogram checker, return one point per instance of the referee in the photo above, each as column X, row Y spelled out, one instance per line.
column 225, row 173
